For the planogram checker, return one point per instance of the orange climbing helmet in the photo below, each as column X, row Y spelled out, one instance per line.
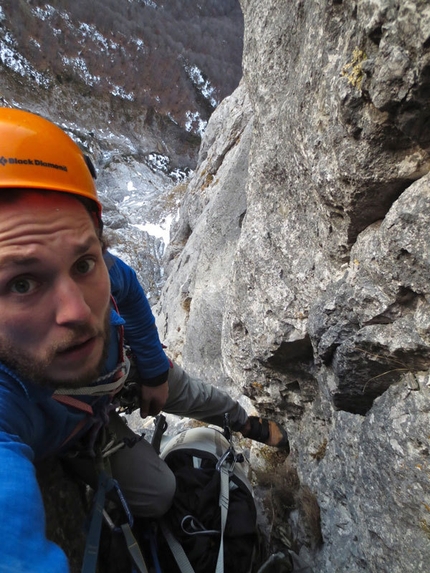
column 36, row 154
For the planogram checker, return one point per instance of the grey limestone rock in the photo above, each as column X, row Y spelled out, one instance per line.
column 209, row 223
column 300, row 274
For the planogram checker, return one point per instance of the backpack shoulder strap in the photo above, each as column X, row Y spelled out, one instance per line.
column 176, row 549
column 224, row 500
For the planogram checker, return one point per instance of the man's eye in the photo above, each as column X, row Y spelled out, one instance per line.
column 23, row 286
column 84, row 266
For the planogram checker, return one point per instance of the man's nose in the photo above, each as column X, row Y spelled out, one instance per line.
column 72, row 307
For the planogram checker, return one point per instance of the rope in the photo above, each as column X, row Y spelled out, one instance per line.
column 97, row 388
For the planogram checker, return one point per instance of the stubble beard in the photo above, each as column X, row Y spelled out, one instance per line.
column 35, row 370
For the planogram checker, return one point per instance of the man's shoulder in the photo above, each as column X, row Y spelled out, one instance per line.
column 18, row 408
column 10, row 383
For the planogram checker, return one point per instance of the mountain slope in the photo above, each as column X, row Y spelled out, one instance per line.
column 176, row 59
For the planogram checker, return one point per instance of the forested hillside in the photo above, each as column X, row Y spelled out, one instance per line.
column 179, row 58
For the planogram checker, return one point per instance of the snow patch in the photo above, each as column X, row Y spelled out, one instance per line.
column 120, row 92
column 149, row 3
column 11, row 59
column 80, row 66
column 195, row 123
column 94, row 34
column 203, row 85
column 159, row 162
column 161, row 231
column 44, row 14
column 139, row 43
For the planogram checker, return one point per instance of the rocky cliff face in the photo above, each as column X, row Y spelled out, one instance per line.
column 299, row 268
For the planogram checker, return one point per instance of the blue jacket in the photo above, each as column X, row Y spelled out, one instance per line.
column 33, row 425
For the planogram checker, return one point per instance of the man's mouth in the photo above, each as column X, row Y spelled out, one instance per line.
column 79, row 347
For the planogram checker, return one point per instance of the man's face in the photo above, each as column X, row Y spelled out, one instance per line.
column 54, row 290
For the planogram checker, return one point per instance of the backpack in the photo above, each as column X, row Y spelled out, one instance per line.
column 211, row 526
